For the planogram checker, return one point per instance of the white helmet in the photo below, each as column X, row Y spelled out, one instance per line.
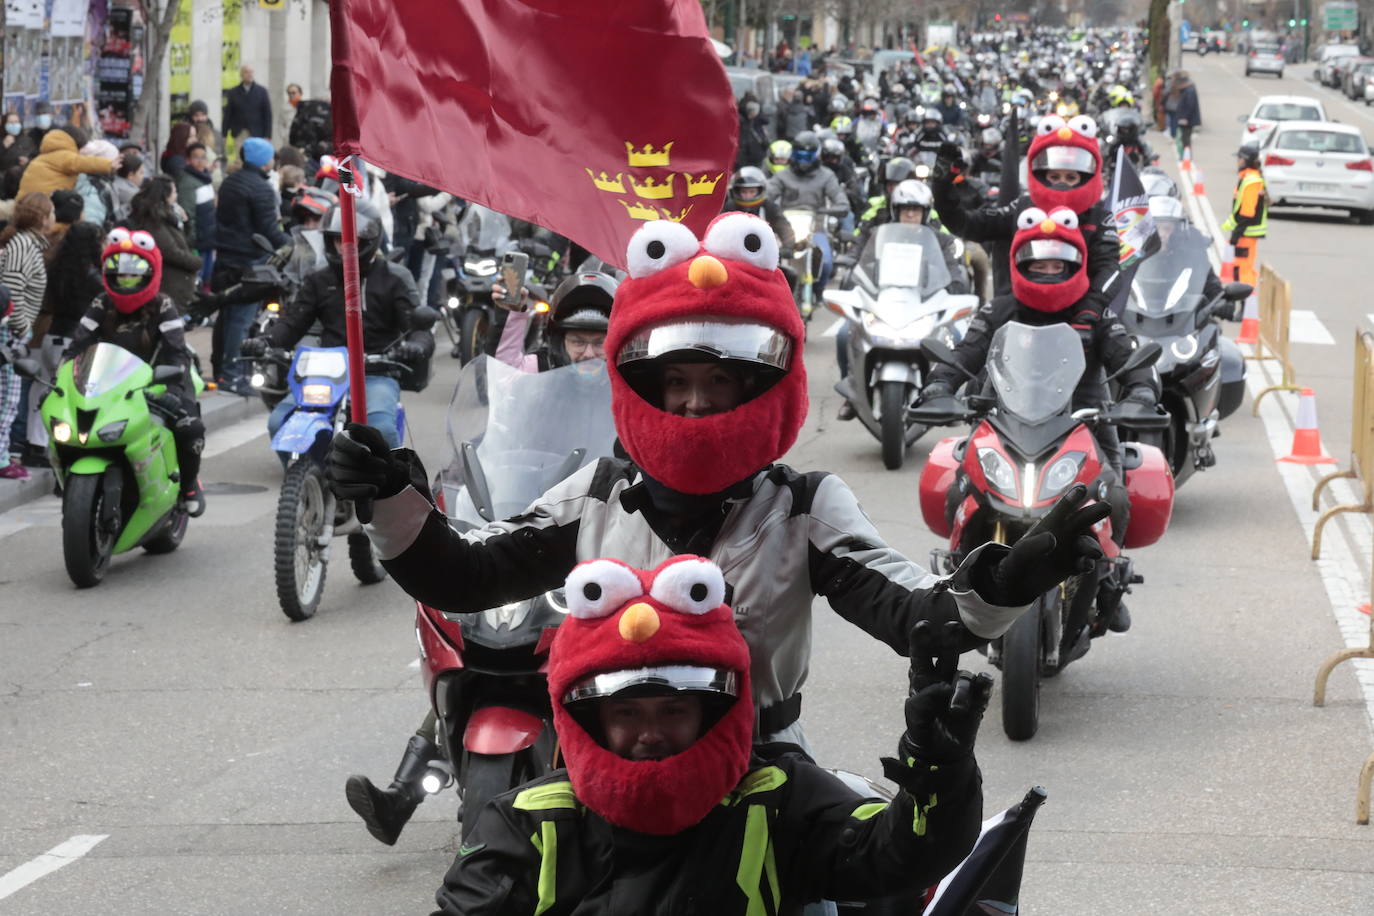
column 1162, row 208
column 912, row 193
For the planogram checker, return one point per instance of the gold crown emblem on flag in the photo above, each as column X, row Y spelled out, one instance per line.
column 679, row 216
column 604, row 183
column 636, row 210
column 703, row 185
column 648, row 156
column 650, row 189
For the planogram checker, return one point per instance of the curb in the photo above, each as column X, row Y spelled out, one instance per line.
column 217, row 410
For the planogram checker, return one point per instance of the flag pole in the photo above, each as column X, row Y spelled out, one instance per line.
column 353, row 302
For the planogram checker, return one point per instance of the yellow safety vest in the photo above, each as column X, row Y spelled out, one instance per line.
column 1249, row 178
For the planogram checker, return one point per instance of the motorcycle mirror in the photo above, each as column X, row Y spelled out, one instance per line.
column 936, row 351
column 165, row 374
column 1235, row 292
column 423, row 318
column 262, row 242
column 1146, row 354
column 27, row 368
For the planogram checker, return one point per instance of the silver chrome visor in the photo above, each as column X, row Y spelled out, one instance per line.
column 1064, row 157
column 672, row 677
column 711, row 338
column 1048, row 250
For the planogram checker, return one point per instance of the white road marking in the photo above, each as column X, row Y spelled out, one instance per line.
column 1347, row 586
column 415, row 665
column 1305, row 327
column 60, row 855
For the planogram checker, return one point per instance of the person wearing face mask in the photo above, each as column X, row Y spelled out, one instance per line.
column 16, row 145
column 42, row 123
column 708, row 391
column 1064, row 169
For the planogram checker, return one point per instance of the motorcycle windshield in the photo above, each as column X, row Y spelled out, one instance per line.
column 1034, row 370
column 485, row 229
column 1170, row 281
column 102, row 368
column 512, row 435
column 908, row 256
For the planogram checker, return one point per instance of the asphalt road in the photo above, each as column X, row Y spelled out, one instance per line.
column 175, row 711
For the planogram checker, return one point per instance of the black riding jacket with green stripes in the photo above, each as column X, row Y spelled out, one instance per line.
column 790, row 833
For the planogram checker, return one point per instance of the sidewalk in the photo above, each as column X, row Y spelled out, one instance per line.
column 217, row 410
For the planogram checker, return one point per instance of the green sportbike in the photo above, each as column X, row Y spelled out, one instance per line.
column 114, row 458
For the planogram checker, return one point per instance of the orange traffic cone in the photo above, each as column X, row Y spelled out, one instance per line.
column 1307, row 441
column 1186, row 165
column 1363, row 609
column 1249, row 323
column 1228, row 264
column 1197, row 182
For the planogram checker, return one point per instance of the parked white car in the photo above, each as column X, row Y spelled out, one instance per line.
column 1319, row 164
column 1274, row 109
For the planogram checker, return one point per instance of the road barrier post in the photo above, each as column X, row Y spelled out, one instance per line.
column 1361, row 442
column 1276, row 307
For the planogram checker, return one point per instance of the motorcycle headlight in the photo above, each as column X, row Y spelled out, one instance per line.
column 111, row 432
column 318, row 395
column 876, row 327
column 483, row 268
column 507, row 615
column 998, row 471
column 62, row 431
column 1185, row 348
column 1061, row 473
column 454, row 302
column 273, row 306
column 258, row 380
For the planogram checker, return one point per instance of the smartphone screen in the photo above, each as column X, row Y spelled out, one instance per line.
column 514, row 266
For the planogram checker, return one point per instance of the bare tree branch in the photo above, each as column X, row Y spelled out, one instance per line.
column 161, row 22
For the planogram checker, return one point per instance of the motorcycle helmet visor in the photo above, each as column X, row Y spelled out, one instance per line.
column 756, row 354
column 1046, row 250
column 655, row 680
column 1072, row 158
column 128, row 272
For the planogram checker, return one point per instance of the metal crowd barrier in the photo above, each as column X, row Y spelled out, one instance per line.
column 1276, row 308
column 1361, row 442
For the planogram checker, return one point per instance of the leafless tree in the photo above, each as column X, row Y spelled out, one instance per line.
column 145, row 122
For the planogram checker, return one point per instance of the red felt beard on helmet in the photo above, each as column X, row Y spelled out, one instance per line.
column 1049, row 297
column 127, row 303
column 1076, row 199
column 702, row 455
column 667, row 796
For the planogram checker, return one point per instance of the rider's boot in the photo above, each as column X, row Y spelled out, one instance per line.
column 846, row 411
column 386, row 811
column 193, row 499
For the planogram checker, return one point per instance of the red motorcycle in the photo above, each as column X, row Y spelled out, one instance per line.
column 512, row 436
column 1027, row 447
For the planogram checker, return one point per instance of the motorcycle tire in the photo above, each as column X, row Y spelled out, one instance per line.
column 892, row 398
column 169, row 538
column 86, row 549
column 472, row 336
column 484, row 777
column 298, row 558
column 1021, row 655
column 363, row 559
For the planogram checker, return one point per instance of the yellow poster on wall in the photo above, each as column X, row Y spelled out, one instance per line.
column 230, row 58
column 179, row 61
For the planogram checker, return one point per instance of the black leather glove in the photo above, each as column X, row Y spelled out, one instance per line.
column 934, row 391
column 945, row 705
column 204, row 305
column 253, row 347
column 1060, row 545
column 1140, row 394
column 362, row 468
column 949, row 161
column 408, row 351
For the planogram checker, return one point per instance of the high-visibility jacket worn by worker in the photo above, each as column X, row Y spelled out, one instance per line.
column 1249, row 208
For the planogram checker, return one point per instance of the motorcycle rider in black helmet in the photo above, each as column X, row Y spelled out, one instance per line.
column 390, row 298
column 748, row 194
column 807, row 183
column 581, row 314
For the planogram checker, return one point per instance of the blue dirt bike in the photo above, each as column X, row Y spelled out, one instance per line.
column 309, row 516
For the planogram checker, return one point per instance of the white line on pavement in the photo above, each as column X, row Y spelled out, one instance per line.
column 1305, row 327
column 222, row 440
column 49, row 862
column 834, row 328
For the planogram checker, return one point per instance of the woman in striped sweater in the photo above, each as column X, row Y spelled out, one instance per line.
column 23, row 271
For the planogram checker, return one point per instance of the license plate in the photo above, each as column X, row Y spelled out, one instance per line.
column 1314, row 186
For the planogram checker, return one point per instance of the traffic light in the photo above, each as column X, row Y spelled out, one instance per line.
column 1303, row 23
column 996, row 17
column 1292, row 22
column 1245, row 23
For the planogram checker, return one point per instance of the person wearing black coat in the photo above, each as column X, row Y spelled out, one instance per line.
column 248, row 108
column 753, row 139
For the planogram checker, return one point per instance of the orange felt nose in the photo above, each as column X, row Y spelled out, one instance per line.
column 639, row 622
column 707, row 273
column 1065, row 133
column 1047, row 225
column 126, row 244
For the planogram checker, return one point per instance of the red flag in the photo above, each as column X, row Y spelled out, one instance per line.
column 586, row 118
